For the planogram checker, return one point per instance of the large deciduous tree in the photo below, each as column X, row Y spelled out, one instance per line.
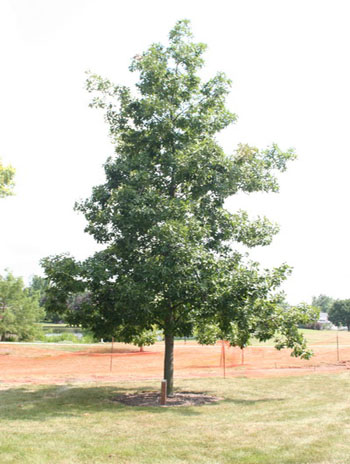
column 169, row 258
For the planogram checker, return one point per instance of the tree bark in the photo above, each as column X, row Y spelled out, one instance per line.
column 169, row 363
column 169, row 354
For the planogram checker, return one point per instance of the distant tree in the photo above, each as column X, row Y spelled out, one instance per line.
column 169, row 258
column 207, row 334
column 19, row 310
column 38, row 286
column 6, row 180
column 76, row 311
column 323, row 302
column 339, row 313
column 145, row 338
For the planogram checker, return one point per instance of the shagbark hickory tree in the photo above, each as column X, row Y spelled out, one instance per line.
column 169, row 258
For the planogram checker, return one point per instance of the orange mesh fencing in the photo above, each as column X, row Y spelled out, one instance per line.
column 43, row 364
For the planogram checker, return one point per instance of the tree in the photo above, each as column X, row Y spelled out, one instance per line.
column 6, row 180
column 323, row 302
column 38, row 286
column 19, row 310
column 168, row 257
column 145, row 338
column 339, row 314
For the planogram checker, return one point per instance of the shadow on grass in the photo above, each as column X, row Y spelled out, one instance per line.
column 43, row 403
column 33, row 403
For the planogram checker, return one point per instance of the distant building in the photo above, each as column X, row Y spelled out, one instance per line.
column 325, row 323
column 323, row 319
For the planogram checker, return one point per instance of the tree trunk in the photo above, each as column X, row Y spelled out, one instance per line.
column 169, row 352
column 169, row 363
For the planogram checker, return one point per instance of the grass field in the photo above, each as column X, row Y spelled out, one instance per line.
column 272, row 421
column 317, row 337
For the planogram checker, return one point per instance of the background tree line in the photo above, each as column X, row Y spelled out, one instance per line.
column 20, row 311
column 23, row 308
column 338, row 310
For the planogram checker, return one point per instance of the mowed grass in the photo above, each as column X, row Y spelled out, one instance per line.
column 275, row 420
column 326, row 336
column 316, row 337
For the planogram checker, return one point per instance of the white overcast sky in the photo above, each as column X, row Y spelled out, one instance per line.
column 289, row 63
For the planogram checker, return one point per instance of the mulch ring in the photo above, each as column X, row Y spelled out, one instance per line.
column 147, row 398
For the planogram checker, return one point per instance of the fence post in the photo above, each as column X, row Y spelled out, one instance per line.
column 338, row 345
column 223, row 357
column 111, row 361
column 163, row 393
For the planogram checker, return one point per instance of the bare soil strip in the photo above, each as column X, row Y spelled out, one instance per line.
column 46, row 365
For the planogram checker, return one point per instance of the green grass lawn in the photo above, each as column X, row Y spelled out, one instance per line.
column 271, row 421
column 315, row 337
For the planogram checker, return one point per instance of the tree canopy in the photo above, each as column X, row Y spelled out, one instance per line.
column 19, row 310
column 323, row 302
column 169, row 258
column 38, row 286
column 6, row 180
column 339, row 314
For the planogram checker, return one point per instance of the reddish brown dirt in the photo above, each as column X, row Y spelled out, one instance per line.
column 46, row 365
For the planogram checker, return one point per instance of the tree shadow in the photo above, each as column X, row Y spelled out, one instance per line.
column 43, row 403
